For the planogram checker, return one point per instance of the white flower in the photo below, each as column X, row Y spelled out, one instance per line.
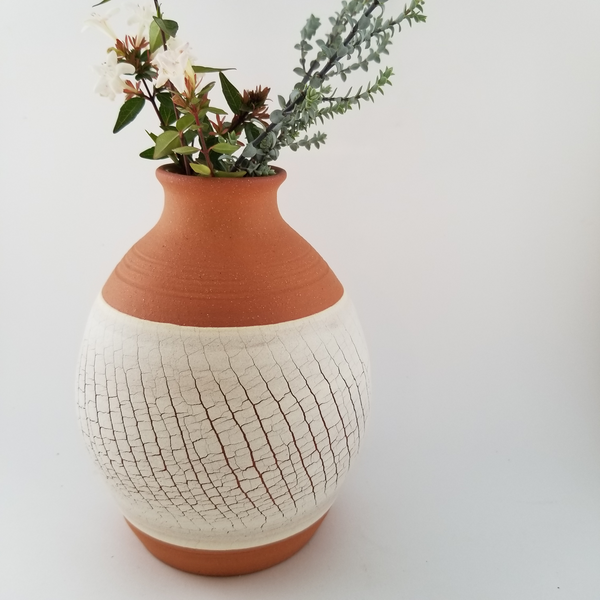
column 173, row 64
column 142, row 17
column 101, row 22
column 110, row 72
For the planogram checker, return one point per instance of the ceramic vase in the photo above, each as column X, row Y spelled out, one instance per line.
column 224, row 380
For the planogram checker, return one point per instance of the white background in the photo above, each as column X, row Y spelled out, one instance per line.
column 462, row 213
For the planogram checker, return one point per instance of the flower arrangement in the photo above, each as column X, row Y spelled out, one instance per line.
column 154, row 66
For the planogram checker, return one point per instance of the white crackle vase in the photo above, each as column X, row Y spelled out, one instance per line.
column 224, row 380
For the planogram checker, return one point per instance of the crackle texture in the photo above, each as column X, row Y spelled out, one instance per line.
column 224, row 438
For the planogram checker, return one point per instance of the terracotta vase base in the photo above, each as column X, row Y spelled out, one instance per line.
column 225, row 563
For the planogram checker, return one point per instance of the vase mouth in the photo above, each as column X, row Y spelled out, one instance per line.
column 168, row 174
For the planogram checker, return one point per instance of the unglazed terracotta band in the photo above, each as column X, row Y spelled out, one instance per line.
column 221, row 255
column 224, row 438
column 229, row 562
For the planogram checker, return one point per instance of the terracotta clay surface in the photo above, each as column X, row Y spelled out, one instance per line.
column 226, row 562
column 221, row 255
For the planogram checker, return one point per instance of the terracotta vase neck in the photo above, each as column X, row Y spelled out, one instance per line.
column 221, row 255
column 210, row 206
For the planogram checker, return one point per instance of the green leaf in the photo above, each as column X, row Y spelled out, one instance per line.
column 230, row 173
column 200, row 169
column 164, row 98
column 149, row 153
column 129, row 111
column 224, row 148
column 167, row 112
column 166, row 109
column 309, row 30
column 186, row 150
column 168, row 27
column 316, row 82
column 206, row 89
column 190, row 135
column 277, row 116
column 172, row 26
column 156, row 40
column 216, row 111
column 252, row 131
column 166, row 142
column 232, row 95
column 200, row 69
column 250, row 151
column 153, row 136
column 364, row 22
column 185, row 122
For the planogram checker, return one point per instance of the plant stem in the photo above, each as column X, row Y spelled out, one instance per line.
column 150, row 97
column 242, row 118
column 348, row 39
column 159, row 16
column 313, row 66
column 184, row 159
column 205, row 152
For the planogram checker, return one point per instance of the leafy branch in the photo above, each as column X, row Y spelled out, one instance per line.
column 201, row 138
column 354, row 30
column 340, row 104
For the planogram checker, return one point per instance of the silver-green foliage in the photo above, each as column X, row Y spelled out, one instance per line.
column 358, row 37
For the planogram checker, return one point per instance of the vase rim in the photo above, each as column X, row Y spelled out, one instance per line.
column 165, row 173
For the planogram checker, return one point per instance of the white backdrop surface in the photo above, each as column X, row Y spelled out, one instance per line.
column 462, row 213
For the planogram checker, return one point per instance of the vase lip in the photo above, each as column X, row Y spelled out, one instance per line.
column 165, row 174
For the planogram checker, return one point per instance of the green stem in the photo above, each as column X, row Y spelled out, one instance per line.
column 205, row 151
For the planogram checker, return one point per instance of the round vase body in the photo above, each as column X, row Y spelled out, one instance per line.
column 224, row 380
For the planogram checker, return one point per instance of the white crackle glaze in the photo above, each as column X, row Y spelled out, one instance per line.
column 224, row 438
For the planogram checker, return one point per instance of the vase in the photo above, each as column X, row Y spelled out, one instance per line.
column 224, row 380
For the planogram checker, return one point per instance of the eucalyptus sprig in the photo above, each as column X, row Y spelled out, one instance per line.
column 357, row 38
column 155, row 67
